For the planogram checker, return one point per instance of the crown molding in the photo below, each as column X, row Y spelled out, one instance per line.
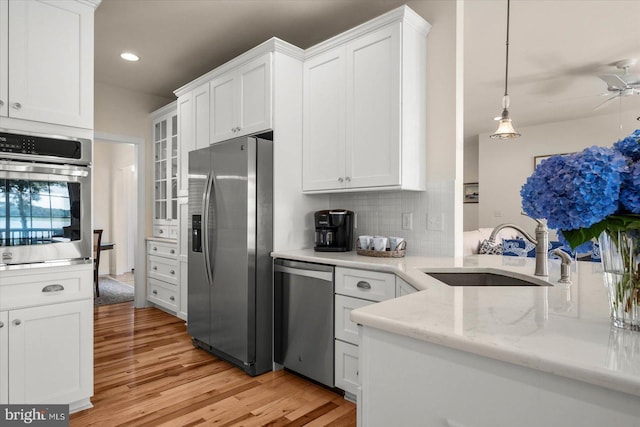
column 274, row 44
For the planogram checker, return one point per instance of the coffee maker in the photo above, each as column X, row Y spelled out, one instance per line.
column 334, row 230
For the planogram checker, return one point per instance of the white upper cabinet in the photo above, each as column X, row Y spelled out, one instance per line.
column 373, row 89
column 165, row 172
column 200, row 117
column 46, row 61
column 324, row 121
column 365, row 107
column 4, row 53
column 193, row 130
column 240, row 100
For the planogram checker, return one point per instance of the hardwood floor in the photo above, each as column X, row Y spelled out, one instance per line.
column 147, row 373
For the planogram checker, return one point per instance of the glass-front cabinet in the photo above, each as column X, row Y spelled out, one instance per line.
column 165, row 173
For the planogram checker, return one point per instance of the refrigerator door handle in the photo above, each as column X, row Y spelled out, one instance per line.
column 206, row 204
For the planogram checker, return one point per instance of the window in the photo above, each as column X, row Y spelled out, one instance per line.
column 38, row 212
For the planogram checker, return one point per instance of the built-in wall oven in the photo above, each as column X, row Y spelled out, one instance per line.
column 45, row 199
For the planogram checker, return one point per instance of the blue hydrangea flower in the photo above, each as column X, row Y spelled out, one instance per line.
column 577, row 190
column 630, row 192
column 630, row 146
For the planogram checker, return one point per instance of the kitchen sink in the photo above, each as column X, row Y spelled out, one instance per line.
column 485, row 278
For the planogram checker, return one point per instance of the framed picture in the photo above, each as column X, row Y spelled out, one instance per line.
column 470, row 191
column 538, row 159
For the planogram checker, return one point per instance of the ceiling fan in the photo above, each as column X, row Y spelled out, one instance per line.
column 620, row 85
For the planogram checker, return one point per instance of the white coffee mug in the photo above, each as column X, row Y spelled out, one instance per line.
column 380, row 243
column 394, row 242
column 365, row 242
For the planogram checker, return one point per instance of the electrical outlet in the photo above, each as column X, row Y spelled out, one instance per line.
column 407, row 221
column 435, row 222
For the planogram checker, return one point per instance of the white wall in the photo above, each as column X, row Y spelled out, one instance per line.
column 381, row 212
column 125, row 112
column 505, row 165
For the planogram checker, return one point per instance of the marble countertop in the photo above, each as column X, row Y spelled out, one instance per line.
column 560, row 329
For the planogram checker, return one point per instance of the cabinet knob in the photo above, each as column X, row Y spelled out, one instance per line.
column 154, row 292
column 363, row 285
column 17, row 322
column 172, row 298
column 155, row 249
column 348, row 179
column 172, row 272
column 238, row 129
column 17, row 106
column 173, row 251
column 340, row 179
column 1, row 102
column 1, row 324
column 155, row 268
column 161, row 231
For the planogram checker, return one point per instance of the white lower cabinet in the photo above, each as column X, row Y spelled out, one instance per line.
column 46, row 346
column 163, row 274
column 354, row 289
column 346, row 368
column 46, row 337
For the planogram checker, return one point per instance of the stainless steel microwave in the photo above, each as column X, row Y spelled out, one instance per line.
column 45, row 199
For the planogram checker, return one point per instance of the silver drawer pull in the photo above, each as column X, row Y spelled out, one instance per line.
column 172, row 298
column 172, row 272
column 17, row 322
column 17, row 106
column 53, row 288
column 154, row 292
column 363, row 285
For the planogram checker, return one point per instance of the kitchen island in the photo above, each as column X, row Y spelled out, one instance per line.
column 491, row 356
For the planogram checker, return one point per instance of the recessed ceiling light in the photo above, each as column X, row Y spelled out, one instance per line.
column 128, row 56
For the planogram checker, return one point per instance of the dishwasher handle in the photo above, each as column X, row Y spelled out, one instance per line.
column 321, row 275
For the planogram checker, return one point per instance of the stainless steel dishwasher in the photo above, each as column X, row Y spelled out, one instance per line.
column 303, row 308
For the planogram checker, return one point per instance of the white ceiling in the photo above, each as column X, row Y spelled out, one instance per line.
column 557, row 47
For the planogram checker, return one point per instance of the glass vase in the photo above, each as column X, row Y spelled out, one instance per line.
column 619, row 252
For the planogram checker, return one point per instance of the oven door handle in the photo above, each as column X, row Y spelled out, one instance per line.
column 78, row 171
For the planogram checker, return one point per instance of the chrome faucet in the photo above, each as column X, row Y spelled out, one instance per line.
column 565, row 275
column 541, row 241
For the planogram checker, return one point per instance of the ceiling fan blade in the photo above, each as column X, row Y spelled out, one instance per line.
column 602, row 105
column 613, row 81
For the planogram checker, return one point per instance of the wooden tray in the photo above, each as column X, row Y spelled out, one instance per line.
column 386, row 254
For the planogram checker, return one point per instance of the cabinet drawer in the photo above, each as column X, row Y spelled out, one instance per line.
column 345, row 329
column 370, row 285
column 164, row 269
column 163, row 294
column 163, row 249
column 347, row 375
column 161, row 231
column 46, row 288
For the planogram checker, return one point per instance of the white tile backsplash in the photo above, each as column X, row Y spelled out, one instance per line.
column 380, row 213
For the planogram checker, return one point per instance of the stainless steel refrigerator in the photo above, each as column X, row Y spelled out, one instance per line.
column 230, row 240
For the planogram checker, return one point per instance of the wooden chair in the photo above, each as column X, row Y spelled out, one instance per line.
column 97, row 240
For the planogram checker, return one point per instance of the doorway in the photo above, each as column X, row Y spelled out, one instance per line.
column 126, row 209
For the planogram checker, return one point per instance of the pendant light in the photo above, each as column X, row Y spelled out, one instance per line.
column 505, row 128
